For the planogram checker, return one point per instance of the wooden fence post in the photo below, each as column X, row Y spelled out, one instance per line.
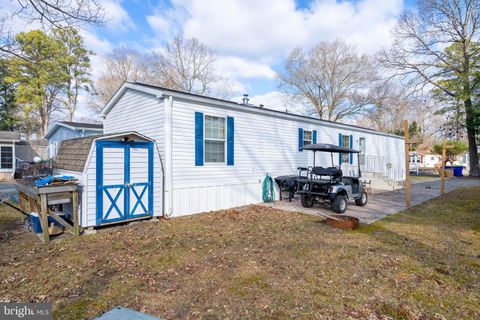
column 445, row 146
column 44, row 218
column 76, row 227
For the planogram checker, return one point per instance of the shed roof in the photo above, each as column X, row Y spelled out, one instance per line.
column 9, row 136
column 73, row 153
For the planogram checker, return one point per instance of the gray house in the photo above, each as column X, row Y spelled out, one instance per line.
column 64, row 130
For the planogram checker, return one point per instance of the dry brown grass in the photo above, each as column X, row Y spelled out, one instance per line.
column 257, row 262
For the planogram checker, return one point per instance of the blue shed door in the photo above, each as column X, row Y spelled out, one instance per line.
column 124, row 180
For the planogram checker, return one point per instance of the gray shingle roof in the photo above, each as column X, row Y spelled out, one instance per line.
column 83, row 125
column 9, row 135
column 73, row 153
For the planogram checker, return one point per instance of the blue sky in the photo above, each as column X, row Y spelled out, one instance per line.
column 251, row 38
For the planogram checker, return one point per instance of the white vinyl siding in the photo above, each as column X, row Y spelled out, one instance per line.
column 263, row 144
column 140, row 112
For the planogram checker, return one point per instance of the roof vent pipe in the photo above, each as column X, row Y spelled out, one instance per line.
column 245, row 99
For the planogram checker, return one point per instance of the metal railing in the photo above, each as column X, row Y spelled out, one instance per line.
column 391, row 173
column 395, row 176
column 374, row 164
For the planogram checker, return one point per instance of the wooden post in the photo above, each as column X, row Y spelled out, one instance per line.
column 22, row 198
column 33, row 205
column 76, row 227
column 407, row 164
column 445, row 146
column 44, row 218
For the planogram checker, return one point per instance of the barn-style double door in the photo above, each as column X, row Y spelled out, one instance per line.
column 124, row 180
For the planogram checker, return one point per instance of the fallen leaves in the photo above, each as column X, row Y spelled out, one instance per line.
column 257, row 262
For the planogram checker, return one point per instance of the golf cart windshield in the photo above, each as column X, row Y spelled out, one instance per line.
column 324, row 147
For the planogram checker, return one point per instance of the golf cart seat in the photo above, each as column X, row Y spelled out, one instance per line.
column 330, row 171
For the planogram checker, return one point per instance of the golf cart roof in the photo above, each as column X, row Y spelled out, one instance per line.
column 324, row 147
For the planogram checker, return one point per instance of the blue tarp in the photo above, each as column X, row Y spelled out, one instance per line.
column 47, row 180
column 121, row 313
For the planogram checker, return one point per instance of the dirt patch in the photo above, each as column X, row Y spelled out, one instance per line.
column 259, row 262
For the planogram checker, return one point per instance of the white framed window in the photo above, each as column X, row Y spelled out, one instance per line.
column 307, row 137
column 362, row 147
column 346, row 144
column 6, row 157
column 214, row 142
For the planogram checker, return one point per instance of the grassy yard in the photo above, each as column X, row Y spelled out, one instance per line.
column 257, row 262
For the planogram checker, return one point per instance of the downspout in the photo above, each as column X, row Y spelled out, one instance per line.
column 163, row 179
column 159, row 97
column 168, row 185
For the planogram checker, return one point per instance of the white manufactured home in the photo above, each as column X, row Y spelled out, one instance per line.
column 202, row 154
column 214, row 154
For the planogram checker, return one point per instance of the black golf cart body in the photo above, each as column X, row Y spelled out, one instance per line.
column 329, row 184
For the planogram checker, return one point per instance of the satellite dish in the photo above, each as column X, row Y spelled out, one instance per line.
column 37, row 159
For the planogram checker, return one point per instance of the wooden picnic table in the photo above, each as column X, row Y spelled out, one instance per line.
column 40, row 198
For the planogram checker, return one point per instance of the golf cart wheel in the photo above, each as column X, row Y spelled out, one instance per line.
column 307, row 201
column 362, row 201
column 339, row 204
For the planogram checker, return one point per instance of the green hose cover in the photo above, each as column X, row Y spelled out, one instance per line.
column 268, row 189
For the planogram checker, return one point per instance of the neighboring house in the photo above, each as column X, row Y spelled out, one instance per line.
column 7, row 154
column 213, row 153
column 432, row 160
column 424, row 160
column 64, row 130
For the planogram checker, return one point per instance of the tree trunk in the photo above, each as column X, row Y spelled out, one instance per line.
column 70, row 115
column 472, row 143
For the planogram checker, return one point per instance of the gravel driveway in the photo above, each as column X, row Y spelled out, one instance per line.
column 383, row 203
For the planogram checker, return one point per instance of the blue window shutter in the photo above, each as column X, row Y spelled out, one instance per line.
column 351, row 146
column 339, row 144
column 230, row 141
column 314, row 136
column 300, row 139
column 198, row 138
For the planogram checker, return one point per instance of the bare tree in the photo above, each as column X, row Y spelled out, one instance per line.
column 122, row 65
column 331, row 78
column 182, row 64
column 419, row 56
column 50, row 13
column 186, row 65
column 392, row 103
column 60, row 13
column 389, row 107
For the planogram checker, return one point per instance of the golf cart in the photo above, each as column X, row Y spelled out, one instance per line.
column 329, row 184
